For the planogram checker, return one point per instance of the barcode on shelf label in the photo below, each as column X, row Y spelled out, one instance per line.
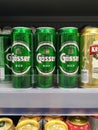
column 2, row 73
column 84, row 76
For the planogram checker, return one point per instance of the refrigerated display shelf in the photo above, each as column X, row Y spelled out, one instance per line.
column 47, row 101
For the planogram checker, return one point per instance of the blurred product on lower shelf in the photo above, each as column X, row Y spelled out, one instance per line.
column 28, row 123
column 94, row 122
column 78, row 123
column 51, row 122
column 6, row 124
column 54, row 123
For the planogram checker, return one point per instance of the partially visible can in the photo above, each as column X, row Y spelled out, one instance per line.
column 68, row 57
column 6, row 124
column 22, row 57
column 78, row 123
column 55, row 124
column 5, row 55
column 93, row 122
column 45, row 58
column 89, row 57
column 28, row 123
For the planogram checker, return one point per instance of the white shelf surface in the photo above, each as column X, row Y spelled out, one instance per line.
column 55, row 100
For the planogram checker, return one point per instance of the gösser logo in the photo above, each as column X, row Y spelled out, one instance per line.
column 42, row 58
column 17, row 59
column 66, row 58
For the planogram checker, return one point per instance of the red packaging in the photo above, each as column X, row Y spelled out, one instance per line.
column 78, row 123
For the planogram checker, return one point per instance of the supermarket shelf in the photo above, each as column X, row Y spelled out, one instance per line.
column 58, row 99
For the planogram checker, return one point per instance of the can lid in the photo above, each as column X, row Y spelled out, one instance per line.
column 56, row 125
column 27, row 124
column 45, row 29
column 68, row 30
column 22, row 29
column 78, row 120
column 6, row 121
column 89, row 29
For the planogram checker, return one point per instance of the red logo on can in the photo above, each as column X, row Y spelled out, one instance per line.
column 93, row 49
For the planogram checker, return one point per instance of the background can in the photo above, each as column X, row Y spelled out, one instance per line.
column 45, row 38
column 89, row 57
column 68, row 57
column 6, row 124
column 93, row 122
column 55, row 124
column 5, row 55
column 28, row 123
column 78, row 123
column 22, row 57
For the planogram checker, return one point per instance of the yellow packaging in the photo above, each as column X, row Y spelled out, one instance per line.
column 6, row 124
column 28, row 123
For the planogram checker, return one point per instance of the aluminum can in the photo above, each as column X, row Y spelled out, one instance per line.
column 28, row 123
column 68, row 57
column 55, row 124
column 22, row 59
column 6, row 124
column 93, row 122
column 5, row 55
column 45, row 57
column 78, row 123
column 89, row 57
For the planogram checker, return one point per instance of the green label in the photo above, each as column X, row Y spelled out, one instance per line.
column 2, row 123
column 45, row 58
column 69, row 58
column 20, row 58
column 8, row 57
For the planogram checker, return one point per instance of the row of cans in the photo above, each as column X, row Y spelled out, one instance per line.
column 47, row 58
column 50, row 123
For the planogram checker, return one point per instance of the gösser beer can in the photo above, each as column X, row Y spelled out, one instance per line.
column 45, row 56
column 21, row 57
column 78, row 123
column 93, row 122
column 6, row 124
column 89, row 57
column 68, row 61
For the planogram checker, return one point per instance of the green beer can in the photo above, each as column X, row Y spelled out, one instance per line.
column 68, row 57
column 45, row 57
column 5, row 55
column 21, row 57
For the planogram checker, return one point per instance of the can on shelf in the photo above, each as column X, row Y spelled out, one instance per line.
column 22, row 57
column 45, row 56
column 5, row 55
column 89, row 57
column 55, row 124
column 6, row 124
column 28, row 123
column 93, row 122
column 68, row 57
column 78, row 123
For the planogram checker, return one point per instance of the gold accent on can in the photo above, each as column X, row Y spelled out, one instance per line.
column 6, row 124
column 37, row 118
column 28, row 124
column 89, row 57
column 48, row 118
column 56, row 125
column 78, row 120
